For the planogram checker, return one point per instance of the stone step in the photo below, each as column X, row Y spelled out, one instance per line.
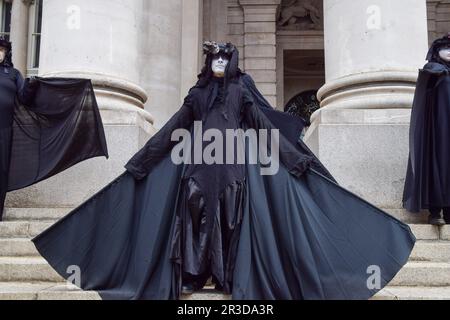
column 23, row 229
column 43, row 291
column 426, row 274
column 27, row 269
column 62, row 291
column 425, row 231
column 37, row 269
column 424, row 250
column 17, row 247
column 35, row 214
column 429, row 250
column 407, row 217
column 413, row 293
column 417, row 222
column 445, row 232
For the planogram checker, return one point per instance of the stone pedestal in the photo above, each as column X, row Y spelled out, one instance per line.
column 373, row 50
column 97, row 40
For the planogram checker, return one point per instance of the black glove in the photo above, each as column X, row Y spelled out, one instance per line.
column 31, row 84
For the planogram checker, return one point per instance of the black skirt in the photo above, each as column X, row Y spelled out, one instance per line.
column 205, row 241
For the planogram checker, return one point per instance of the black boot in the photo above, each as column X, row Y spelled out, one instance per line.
column 187, row 288
column 435, row 217
column 447, row 215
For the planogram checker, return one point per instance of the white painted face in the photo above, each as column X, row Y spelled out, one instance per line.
column 2, row 54
column 444, row 53
column 218, row 65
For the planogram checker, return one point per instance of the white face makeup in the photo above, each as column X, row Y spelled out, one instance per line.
column 2, row 54
column 218, row 65
column 444, row 54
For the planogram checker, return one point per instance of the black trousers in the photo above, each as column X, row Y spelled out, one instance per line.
column 5, row 154
column 435, row 211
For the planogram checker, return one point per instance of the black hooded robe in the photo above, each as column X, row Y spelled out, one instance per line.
column 427, row 184
column 293, row 235
column 45, row 128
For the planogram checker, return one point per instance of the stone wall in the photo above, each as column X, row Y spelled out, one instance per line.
column 438, row 12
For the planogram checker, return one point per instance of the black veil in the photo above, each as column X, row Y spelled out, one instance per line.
column 60, row 127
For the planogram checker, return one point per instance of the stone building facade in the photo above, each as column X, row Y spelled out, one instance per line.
column 361, row 59
column 143, row 55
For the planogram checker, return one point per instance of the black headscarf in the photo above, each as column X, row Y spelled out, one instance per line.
column 7, row 62
column 438, row 44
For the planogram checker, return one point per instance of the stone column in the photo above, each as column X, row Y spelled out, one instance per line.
column 191, row 44
column 373, row 50
column 260, row 44
column 19, row 33
column 97, row 40
column 161, row 68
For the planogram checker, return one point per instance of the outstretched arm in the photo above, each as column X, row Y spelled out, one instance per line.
column 26, row 89
column 296, row 162
column 161, row 143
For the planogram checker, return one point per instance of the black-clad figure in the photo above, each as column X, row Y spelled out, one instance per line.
column 162, row 229
column 46, row 126
column 427, row 184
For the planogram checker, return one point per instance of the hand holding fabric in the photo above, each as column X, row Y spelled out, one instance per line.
column 296, row 162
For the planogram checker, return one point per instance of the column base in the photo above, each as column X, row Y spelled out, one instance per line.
column 126, row 132
column 366, row 150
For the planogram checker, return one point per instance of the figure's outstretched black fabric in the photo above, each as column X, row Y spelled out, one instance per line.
column 300, row 238
column 45, row 128
column 60, row 127
column 427, row 182
column 300, row 235
column 290, row 126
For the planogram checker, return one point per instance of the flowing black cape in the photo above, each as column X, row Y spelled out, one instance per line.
column 290, row 126
column 428, row 175
column 301, row 238
column 60, row 127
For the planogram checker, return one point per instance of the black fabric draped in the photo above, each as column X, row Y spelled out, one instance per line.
column 289, row 125
column 427, row 182
column 46, row 127
column 292, row 235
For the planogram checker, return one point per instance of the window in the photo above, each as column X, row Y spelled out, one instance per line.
column 5, row 18
column 34, row 45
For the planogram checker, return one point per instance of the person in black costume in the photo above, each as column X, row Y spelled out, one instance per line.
column 295, row 234
column 46, row 126
column 427, row 184
column 11, row 86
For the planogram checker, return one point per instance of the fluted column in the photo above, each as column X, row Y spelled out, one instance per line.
column 19, row 33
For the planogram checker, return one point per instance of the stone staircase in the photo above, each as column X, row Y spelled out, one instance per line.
column 25, row 275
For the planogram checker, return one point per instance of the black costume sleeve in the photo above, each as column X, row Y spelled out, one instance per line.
column 161, row 143
column 296, row 162
column 26, row 90
column 435, row 69
column 290, row 126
